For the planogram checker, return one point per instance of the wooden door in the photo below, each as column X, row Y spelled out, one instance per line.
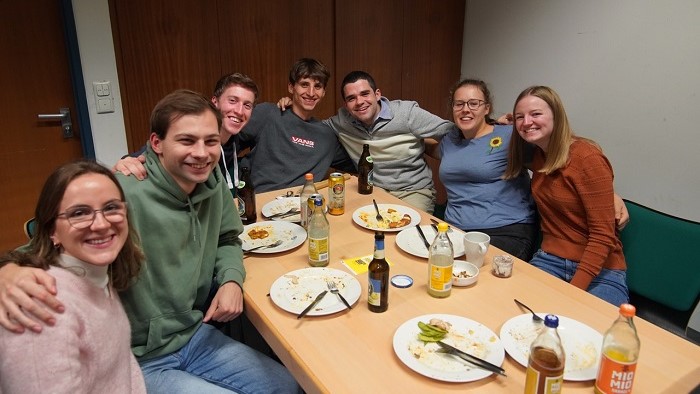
column 35, row 78
column 271, row 36
column 163, row 45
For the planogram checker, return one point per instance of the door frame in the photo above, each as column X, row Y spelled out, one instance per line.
column 77, row 80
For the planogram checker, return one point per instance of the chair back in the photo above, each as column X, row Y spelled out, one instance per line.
column 662, row 256
column 30, row 228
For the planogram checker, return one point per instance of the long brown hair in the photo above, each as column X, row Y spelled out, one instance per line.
column 41, row 252
column 560, row 140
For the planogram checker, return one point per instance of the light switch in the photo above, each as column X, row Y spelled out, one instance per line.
column 105, row 105
column 103, row 96
column 102, row 88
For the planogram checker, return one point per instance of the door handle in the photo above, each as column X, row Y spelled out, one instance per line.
column 64, row 117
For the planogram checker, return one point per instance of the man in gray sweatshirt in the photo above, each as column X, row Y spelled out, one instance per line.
column 395, row 132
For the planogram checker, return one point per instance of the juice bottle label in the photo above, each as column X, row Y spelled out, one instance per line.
column 318, row 249
column 616, row 374
column 534, row 383
column 375, row 292
column 440, row 278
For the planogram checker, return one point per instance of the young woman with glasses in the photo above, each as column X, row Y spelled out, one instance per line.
column 473, row 159
column 84, row 239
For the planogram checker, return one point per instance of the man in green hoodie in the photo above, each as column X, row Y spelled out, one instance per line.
column 189, row 230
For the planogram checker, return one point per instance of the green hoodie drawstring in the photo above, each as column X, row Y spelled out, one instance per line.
column 194, row 222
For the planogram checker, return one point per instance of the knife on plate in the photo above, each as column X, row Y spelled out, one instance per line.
column 291, row 212
column 422, row 236
column 313, row 304
column 472, row 359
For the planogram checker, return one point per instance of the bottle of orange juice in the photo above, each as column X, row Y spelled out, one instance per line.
column 619, row 355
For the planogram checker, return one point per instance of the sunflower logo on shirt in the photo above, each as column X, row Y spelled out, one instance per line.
column 495, row 143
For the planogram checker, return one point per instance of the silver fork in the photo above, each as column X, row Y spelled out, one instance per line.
column 535, row 318
column 334, row 289
column 379, row 217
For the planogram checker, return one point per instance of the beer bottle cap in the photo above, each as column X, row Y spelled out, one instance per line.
column 401, row 281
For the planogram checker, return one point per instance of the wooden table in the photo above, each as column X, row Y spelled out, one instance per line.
column 352, row 351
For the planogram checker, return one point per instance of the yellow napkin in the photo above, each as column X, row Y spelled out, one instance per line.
column 359, row 265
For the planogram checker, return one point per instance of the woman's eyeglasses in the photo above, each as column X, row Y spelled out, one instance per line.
column 472, row 104
column 82, row 216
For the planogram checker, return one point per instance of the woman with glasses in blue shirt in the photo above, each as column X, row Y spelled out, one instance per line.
column 473, row 157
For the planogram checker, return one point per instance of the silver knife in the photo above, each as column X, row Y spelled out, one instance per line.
column 313, row 304
column 472, row 359
column 425, row 241
column 281, row 215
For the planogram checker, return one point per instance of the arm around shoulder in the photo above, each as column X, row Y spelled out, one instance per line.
column 27, row 297
column 425, row 124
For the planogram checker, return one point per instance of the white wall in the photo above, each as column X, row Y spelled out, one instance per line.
column 627, row 71
column 99, row 64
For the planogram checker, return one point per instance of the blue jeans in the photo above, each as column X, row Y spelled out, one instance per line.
column 214, row 363
column 609, row 285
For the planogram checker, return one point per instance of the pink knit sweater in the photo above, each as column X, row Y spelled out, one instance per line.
column 87, row 351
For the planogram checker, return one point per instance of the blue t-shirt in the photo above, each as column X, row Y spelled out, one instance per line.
column 477, row 197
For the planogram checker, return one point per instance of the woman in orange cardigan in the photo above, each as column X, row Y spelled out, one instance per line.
column 572, row 184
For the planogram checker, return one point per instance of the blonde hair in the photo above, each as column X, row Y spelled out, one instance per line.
column 559, row 142
column 561, row 138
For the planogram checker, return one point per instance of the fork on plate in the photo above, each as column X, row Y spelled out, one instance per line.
column 379, row 217
column 334, row 289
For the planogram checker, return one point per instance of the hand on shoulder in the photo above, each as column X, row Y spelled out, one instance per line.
column 132, row 166
column 27, row 298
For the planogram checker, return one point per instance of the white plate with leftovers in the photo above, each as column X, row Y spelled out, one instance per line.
column 464, row 334
column 395, row 217
column 410, row 242
column 295, row 290
column 264, row 234
column 281, row 206
column 581, row 343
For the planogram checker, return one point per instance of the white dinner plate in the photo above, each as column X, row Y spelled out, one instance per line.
column 366, row 216
column 581, row 343
column 280, row 205
column 292, row 235
column 465, row 334
column 295, row 290
column 410, row 241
